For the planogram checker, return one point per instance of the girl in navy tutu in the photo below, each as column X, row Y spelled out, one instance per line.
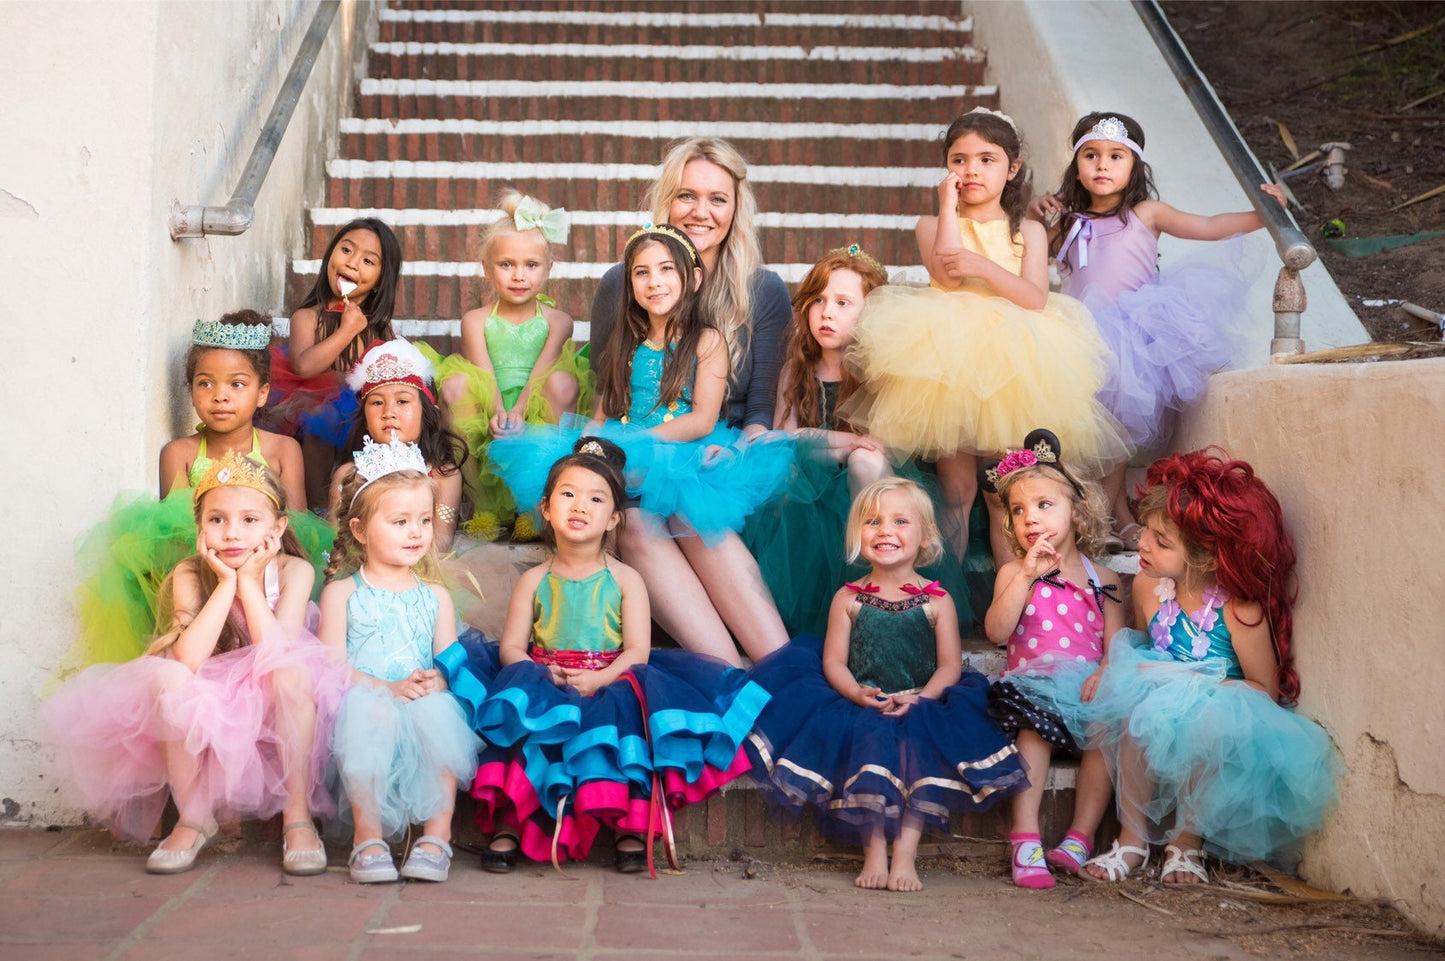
column 1055, row 610
column 591, row 726
column 348, row 308
column 1193, row 716
column 229, row 711
column 1167, row 331
column 401, row 743
column 884, row 732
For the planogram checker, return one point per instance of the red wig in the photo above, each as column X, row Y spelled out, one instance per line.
column 1224, row 511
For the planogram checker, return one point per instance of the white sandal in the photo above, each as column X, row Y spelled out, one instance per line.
column 1183, row 861
column 1112, row 861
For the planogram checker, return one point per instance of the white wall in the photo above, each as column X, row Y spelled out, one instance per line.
column 1056, row 60
column 109, row 112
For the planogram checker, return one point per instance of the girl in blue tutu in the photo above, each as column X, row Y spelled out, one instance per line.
column 884, row 731
column 590, row 726
column 1055, row 610
column 401, row 742
column 1167, row 331
column 1193, row 717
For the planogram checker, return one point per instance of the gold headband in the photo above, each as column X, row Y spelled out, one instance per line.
column 235, row 470
column 673, row 232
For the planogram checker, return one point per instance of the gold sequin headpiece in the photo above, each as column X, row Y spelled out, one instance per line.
column 673, row 232
column 234, row 470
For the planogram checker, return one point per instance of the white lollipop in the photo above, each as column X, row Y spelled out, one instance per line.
column 345, row 286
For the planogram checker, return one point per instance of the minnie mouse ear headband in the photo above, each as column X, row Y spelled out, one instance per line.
column 1041, row 449
column 394, row 362
column 1113, row 130
column 673, row 232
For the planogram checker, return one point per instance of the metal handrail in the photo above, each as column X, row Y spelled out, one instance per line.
column 237, row 215
column 1295, row 251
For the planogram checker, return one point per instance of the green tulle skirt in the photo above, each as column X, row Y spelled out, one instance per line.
column 126, row 558
column 798, row 541
column 493, row 506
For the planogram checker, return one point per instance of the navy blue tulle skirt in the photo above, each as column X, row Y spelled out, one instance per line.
column 812, row 746
column 555, row 755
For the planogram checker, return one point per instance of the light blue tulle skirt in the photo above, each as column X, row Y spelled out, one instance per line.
column 711, row 485
column 393, row 754
column 1215, row 756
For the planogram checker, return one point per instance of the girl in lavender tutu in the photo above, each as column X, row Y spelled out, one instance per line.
column 1168, row 331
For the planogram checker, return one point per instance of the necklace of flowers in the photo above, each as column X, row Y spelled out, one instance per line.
column 1198, row 625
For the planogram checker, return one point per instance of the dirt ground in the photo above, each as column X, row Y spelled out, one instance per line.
column 1368, row 74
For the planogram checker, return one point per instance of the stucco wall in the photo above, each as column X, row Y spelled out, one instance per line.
column 110, row 112
column 1353, row 453
column 1056, row 60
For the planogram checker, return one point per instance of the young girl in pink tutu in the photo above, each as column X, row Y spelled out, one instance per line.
column 229, row 711
column 1169, row 330
column 401, row 742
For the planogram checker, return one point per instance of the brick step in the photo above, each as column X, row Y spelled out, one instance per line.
column 633, row 62
column 778, row 103
column 604, row 244
column 703, row 26
column 580, row 189
column 940, row 8
column 562, row 141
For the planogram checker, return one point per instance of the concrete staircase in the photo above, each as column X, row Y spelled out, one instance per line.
column 838, row 106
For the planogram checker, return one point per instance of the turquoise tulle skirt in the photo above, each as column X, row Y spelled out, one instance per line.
column 393, row 755
column 1189, row 750
column 710, row 485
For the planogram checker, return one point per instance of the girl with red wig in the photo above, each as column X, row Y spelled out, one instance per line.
column 1193, row 716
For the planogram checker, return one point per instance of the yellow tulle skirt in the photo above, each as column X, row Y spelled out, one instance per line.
column 948, row 371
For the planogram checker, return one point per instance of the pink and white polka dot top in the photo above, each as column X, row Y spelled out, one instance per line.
column 1061, row 622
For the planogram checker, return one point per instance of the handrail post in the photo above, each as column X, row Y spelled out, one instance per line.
column 235, row 216
column 1295, row 251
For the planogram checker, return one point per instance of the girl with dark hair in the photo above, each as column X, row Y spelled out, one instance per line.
column 1191, row 717
column 1168, row 332
column 971, row 363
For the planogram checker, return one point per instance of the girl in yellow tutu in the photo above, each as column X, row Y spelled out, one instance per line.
column 962, row 367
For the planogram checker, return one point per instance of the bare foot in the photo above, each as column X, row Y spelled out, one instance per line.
column 904, row 879
column 874, row 875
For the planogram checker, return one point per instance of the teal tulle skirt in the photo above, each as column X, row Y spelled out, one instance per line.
column 1214, row 756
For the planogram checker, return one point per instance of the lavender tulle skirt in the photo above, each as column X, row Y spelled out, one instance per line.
column 236, row 729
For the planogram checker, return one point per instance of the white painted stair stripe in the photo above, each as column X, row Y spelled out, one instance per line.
column 479, row 170
column 564, row 270
column 596, row 18
column 665, row 90
column 432, row 217
column 646, row 129
column 602, row 51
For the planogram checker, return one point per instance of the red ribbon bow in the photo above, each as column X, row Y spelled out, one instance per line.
column 866, row 589
column 931, row 589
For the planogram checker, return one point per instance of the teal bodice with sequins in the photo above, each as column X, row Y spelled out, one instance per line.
column 892, row 646
column 389, row 634
column 580, row 615
column 1190, row 641
column 646, row 385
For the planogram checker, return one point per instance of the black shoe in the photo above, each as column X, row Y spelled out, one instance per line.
column 500, row 861
column 630, row 862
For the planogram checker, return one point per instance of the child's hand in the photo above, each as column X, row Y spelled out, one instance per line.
column 1045, row 208
column 959, row 264
column 255, row 566
column 949, row 189
column 1041, row 559
column 584, row 682
column 871, row 697
column 506, row 423
column 1091, row 686
column 864, row 442
column 432, row 681
column 898, row 704
column 1277, row 192
column 408, row 688
column 559, row 674
column 353, row 321
column 223, row 571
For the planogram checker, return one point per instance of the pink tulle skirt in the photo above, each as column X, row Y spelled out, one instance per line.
column 229, row 734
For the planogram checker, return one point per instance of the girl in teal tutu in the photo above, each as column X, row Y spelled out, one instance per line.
column 1193, row 717
column 401, row 743
column 884, row 732
column 589, row 725
column 1054, row 609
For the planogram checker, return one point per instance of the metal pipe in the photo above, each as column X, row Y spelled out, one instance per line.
column 236, row 216
column 1295, row 251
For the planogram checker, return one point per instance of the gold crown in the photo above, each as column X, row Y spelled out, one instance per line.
column 235, row 470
